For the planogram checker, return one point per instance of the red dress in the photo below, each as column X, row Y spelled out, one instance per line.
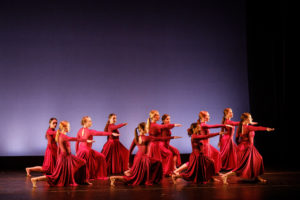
column 145, row 170
column 250, row 162
column 155, row 131
column 209, row 150
column 201, row 168
column 168, row 152
column 96, row 164
column 228, row 147
column 115, row 153
column 50, row 153
column 70, row 170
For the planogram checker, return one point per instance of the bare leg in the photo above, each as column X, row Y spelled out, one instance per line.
column 180, row 169
column 113, row 179
column 35, row 180
column 33, row 169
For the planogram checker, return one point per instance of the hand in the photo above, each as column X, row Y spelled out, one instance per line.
column 125, row 124
column 254, row 123
column 90, row 141
column 115, row 134
column 219, row 144
column 221, row 133
column 177, row 125
column 228, row 126
column 175, row 137
column 270, row 129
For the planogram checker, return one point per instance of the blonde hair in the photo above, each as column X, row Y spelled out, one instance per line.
column 84, row 119
column 225, row 113
column 244, row 117
column 202, row 114
column 151, row 116
column 62, row 126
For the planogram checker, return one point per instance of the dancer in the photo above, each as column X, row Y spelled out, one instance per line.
column 209, row 150
column 50, row 153
column 96, row 164
column 70, row 170
column 154, row 130
column 170, row 155
column 145, row 170
column 201, row 168
column 250, row 162
column 115, row 153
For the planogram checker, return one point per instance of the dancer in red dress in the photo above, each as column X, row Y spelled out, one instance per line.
column 209, row 150
column 201, row 168
column 145, row 170
column 70, row 170
column 154, row 130
column 250, row 162
column 115, row 153
column 50, row 153
column 170, row 155
column 96, row 164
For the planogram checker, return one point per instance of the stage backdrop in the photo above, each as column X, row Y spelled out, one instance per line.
column 71, row 59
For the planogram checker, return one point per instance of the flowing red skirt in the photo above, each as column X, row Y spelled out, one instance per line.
column 200, row 168
column 154, row 150
column 250, row 162
column 228, row 153
column 50, row 159
column 69, row 171
column 168, row 153
column 144, row 171
column 116, row 155
column 95, row 161
column 215, row 155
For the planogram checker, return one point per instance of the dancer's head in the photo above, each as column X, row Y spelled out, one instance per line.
column 86, row 121
column 227, row 114
column 153, row 116
column 52, row 123
column 166, row 119
column 246, row 118
column 112, row 118
column 194, row 129
column 203, row 116
column 141, row 128
column 64, row 127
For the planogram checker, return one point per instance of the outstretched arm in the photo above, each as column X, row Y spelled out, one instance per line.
column 113, row 127
column 99, row 133
column 202, row 137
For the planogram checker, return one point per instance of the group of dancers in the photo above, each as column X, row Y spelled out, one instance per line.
column 155, row 157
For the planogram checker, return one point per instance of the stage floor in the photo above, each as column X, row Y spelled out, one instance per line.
column 281, row 185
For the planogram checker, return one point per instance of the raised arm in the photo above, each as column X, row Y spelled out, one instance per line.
column 113, row 127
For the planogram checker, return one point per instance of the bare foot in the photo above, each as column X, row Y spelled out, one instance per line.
column 224, row 179
column 174, row 178
column 112, row 181
column 27, row 171
column 260, row 179
column 33, row 181
column 215, row 179
column 127, row 173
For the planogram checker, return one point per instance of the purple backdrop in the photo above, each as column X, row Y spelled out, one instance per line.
column 71, row 60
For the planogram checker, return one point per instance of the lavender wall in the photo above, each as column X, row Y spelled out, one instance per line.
column 85, row 58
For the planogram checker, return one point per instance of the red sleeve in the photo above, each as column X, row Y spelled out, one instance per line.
column 113, row 127
column 133, row 144
column 50, row 132
column 214, row 126
column 160, row 138
column 256, row 128
column 67, row 138
column 99, row 133
column 168, row 126
column 77, row 142
column 202, row 137
column 232, row 123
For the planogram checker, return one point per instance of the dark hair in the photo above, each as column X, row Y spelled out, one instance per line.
column 239, row 131
column 191, row 129
column 164, row 117
column 50, row 120
column 107, row 123
column 142, row 126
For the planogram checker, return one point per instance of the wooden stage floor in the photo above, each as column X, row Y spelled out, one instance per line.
column 281, row 185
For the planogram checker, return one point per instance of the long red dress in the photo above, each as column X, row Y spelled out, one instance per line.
column 228, row 147
column 115, row 153
column 96, row 164
column 250, row 162
column 209, row 150
column 70, row 170
column 155, row 150
column 50, row 153
column 201, row 168
column 168, row 153
column 145, row 170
